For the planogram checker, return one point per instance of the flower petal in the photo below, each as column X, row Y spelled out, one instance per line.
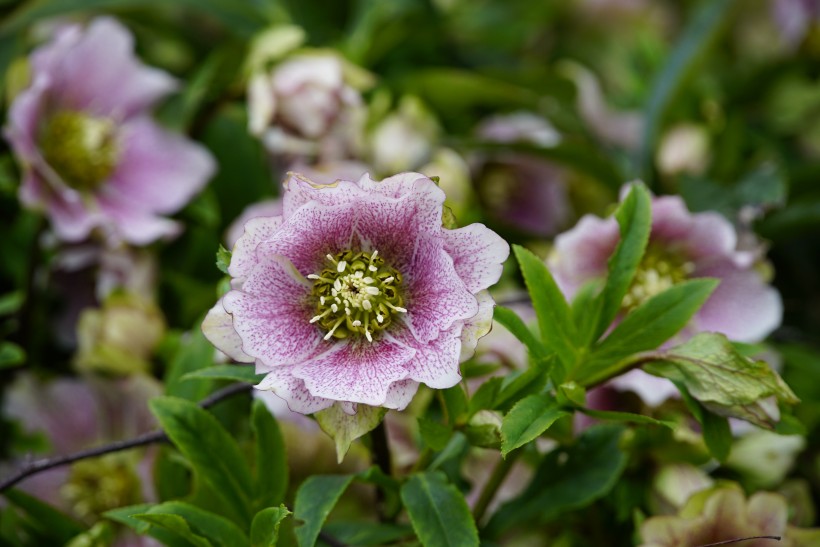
column 478, row 255
column 300, row 190
column 218, row 329
column 478, row 325
column 436, row 362
column 581, row 253
column 401, row 185
column 257, row 230
column 400, row 394
column 281, row 382
column 271, row 315
column 158, row 171
column 652, row 390
column 436, row 295
column 356, row 371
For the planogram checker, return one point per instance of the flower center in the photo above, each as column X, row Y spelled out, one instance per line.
column 82, row 149
column 659, row 270
column 97, row 485
column 357, row 293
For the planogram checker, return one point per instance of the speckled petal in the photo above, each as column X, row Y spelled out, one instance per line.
column 478, row 325
column 257, row 230
column 436, row 362
column 400, row 394
column 300, row 190
column 478, row 255
column 218, row 329
column 281, row 382
column 581, row 253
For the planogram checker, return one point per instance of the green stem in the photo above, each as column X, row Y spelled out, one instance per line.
column 500, row 473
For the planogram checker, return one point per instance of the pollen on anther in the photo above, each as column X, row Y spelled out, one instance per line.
column 341, row 266
column 313, row 276
column 367, row 305
column 334, row 307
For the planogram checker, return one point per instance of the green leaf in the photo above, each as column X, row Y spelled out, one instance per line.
column 697, row 38
column 558, row 332
column 195, row 353
column 271, row 482
column 717, row 435
column 11, row 302
column 214, row 455
column 344, row 428
column 646, row 328
column 513, row 323
column 436, row 435
column 11, row 355
column 368, row 533
column 223, row 259
column 195, row 525
column 455, row 404
column 727, row 383
column 567, row 479
column 627, row 417
column 238, row 373
column 126, row 516
column 519, row 384
column 527, row 420
column 52, row 523
column 634, row 216
column 438, row 511
column 485, row 396
column 315, row 499
column 265, row 526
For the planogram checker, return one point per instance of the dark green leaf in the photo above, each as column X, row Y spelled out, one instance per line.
column 11, row 302
column 646, row 328
column 627, row 417
column 11, row 354
column 265, row 526
column 238, row 373
column 455, row 404
column 125, row 515
column 717, row 435
column 485, row 396
column 634, row 217
column 527, row 420
column 520, row 384
column 195, row 353
column 315, row 499
column 438, row 512
column 214, row 455
column 271, row 482
column 177, row 526
column 434, row 434
column 198, row 523
column 558, row 332
column 513, row 323
column 368, row 533
column 567, row 479
column 53, row 524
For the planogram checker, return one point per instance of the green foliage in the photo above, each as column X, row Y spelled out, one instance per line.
column 434, row 434
column 265, row 526
column 212, row 453
column 271, row 469
column 527, row 420
column 223, row 259
column 344, row 428
column 315, row 499
column 44, row 521
column 11, row 355
column 197, row 526
column 194, row 353
column 438, row 512
column 236, row 373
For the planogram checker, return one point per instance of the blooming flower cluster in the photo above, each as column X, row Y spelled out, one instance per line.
column 92, row 156
column 356, row 293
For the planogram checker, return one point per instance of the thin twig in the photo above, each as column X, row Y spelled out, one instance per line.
column 38, row 466
column 738, row 540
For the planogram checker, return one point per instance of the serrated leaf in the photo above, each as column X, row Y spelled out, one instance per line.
column 238, row 373
column 315, row 499
column 567, row 479
column 646, row 328
column 555, row 324
column 344, row 428
column 271, row 482
column 435, row 435
column 513, row 323
column 634, row 216
column 438, row 511
column 214, row 455
column 265, row 526
column 527, row 420
column 714, row 373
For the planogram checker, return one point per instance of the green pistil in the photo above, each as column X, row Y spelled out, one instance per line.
column 356, row 294
column 97, row 485
column 659, row 270
column 82, row 149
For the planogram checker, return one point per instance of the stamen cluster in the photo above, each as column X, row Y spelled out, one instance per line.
column 356, row 294
column 659, row 270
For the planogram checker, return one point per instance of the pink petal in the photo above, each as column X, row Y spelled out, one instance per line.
column 742, row 307
column 478, row 325
column 257, row 230
column 769, row 512
column 697, row 235
column 300, row 190
column 268, row 208
column 158, row 171
column 581, row 254
column 23, row 117
column 271, row 314
column 218, row 329
column 400, row 394
column 356, row 371
column 292, row 390
column 401, row 185
column 96, row 71
column 125, row 222
column 652, row 390
column 478, row 255
column 435, row 363
column 310, row 233
column 436, row 297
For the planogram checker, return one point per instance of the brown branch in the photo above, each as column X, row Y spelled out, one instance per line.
column 738, row 540
column 38, row 466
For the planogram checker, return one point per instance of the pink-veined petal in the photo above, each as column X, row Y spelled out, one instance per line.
column 478, row 255
column 281, row 382
column 436, row 362
column 218, row 329
column 478, row 325
column 257, row 230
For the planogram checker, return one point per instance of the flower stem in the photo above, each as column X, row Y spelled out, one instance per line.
column 381, row 457
column 500, row 473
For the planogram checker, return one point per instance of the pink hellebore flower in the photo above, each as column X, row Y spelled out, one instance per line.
column 92, row 157
column 682, row 245
column 357, row 294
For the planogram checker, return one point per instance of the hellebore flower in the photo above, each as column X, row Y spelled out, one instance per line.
column 92, row 157
column 682, row 245
column 306, row 107
column 357, row 294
